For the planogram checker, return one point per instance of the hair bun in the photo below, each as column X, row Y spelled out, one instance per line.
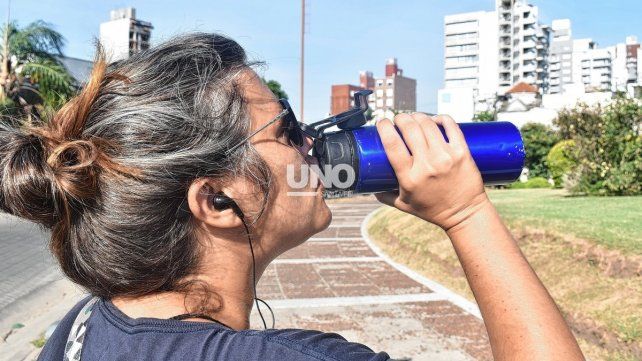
column 27, row 188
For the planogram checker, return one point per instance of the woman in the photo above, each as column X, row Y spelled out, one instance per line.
column 152, row 179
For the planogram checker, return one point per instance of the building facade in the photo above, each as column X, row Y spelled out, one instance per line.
column 392, row 92
column 124, row 35
column 342, row 97
column 488, row 52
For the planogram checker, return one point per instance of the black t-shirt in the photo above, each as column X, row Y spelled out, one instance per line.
column 112, row 335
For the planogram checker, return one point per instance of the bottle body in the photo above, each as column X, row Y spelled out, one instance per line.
column 496, row 147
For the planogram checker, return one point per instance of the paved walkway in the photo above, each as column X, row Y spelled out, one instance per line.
column 340, row 282
column 26, row 264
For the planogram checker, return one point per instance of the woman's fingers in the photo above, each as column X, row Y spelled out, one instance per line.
column 431, row 131
column 398, row 155
column 453, row 132
column 413, row 135
column 388, row 198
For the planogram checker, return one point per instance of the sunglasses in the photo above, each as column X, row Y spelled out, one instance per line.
column 292, row 127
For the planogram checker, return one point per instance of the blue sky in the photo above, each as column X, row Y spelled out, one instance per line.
column 344, row 36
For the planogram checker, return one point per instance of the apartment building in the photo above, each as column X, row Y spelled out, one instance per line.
column 392, row 92
column 523, row 45
column 487, row 52
column 123, row 34
column 560, row 67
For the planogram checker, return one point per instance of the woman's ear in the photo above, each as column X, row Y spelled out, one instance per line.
column 200, row 197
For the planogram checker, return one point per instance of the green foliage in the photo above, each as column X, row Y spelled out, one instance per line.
column 608, row 147
column 560, row 161
column 276, row 89
column 40, row 341
column 485, row 116
column 538, row 141
column 33, row 65
column 535, row 182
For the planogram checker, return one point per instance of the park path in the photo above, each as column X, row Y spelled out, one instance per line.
column 339, row 281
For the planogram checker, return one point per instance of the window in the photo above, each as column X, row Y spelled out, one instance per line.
column 469, row 72
column 566, row 56
column 389, row 81
column 390, row 92
column 379, row 93
column 379, row 103
column 461, row 27
column 455, row 49
column 379, row 82
column 567, row 79
column 461, row 60
column 389, row 102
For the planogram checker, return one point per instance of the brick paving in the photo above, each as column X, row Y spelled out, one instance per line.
column 25, row 262
column 336, row 282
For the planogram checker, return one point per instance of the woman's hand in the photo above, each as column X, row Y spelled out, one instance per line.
column 438, row 180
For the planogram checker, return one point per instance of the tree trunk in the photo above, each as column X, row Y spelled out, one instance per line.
column 4, row 71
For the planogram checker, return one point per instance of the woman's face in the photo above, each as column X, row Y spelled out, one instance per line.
column 294, row 212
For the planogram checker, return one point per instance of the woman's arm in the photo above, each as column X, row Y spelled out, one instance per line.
column 440, row 183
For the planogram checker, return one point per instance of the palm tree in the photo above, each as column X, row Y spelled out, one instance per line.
column 30, row 73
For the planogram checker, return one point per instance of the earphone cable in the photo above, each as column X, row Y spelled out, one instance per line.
column 256, row 299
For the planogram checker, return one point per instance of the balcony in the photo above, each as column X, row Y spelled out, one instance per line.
column 530, row 19
column 529, row 68
column 530, row 55
column 530, row 44
column 529, row 31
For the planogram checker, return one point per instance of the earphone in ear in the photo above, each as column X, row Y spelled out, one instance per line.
column 221, row 202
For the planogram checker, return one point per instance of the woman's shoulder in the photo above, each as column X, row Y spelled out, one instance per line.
column 54, row 348
column 315, row 345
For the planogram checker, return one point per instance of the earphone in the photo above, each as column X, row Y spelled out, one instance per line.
column 221, row 202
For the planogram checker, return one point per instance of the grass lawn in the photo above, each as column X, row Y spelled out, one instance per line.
column 555, row 232
column 615, row 222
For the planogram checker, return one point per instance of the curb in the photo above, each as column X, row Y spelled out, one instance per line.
column 445, row 293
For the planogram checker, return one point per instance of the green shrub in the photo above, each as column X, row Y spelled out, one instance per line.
column 485, row 116
column 535, row 182
column 538, row 141
column 560, row 161
column 608, row 147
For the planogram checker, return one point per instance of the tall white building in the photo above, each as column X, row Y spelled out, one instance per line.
column 489, row 52
column 523, row 45
column 560, row 67
column 123, row 34
column 471, row 62
column 486, row 52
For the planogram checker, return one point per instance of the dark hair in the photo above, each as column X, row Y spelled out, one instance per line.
column 109, row 173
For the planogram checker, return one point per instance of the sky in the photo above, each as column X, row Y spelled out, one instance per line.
column 343, row 37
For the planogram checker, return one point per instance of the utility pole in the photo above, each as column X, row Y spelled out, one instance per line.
column 302, row 70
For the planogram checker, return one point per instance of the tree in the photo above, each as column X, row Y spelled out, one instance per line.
column 608, row 146
column 538, row 141
column 275, row 87
column 30, row 72
column 560, row 160
column 485, row 116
